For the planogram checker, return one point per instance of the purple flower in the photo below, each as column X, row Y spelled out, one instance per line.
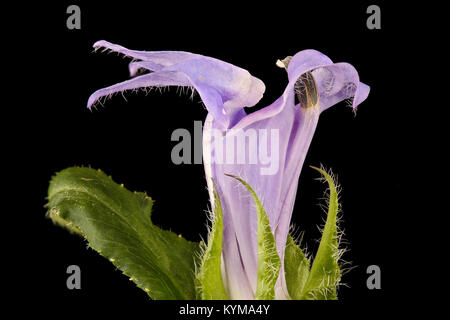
column 266, row 148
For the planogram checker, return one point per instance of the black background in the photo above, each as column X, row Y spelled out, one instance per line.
column 130, row 140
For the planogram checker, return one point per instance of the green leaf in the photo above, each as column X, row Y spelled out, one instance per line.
column 117, row 224
column 209, row 277
column 269, row 262
column 296, row 267
column 325, row 272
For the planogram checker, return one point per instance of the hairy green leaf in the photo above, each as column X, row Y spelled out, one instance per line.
column 296, row 267
column 209, row 278
column 269, row 262
column 325, row 272
column 117, row 224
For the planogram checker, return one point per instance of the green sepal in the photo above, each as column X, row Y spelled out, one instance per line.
column 325, row 273
column 117, row 224
column 296, row 268
column 209, row 278
column 269, row 262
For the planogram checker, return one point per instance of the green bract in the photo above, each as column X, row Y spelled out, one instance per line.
column 117, row 224
column 209, row 278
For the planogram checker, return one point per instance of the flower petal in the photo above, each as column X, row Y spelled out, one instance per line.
column 338, row 82
column 296, row 125
column 156, row 79
column 224, row 88
column 234, row 274
column 302, row 62
column 236, row 87
column 160, row 59
column 135, row 66
column 335, row 82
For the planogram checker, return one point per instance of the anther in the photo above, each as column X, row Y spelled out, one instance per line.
column 306, row 90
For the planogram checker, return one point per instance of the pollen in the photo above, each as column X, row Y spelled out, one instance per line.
column 306, row 90
column 284, row 63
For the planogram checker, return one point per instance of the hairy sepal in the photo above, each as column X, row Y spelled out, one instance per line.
column 296, row 268
column 325, row 273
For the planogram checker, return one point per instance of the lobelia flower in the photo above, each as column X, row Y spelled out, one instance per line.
column 225, row 90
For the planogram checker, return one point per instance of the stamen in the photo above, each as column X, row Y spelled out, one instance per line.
column 284, row 63
column 305, row 88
